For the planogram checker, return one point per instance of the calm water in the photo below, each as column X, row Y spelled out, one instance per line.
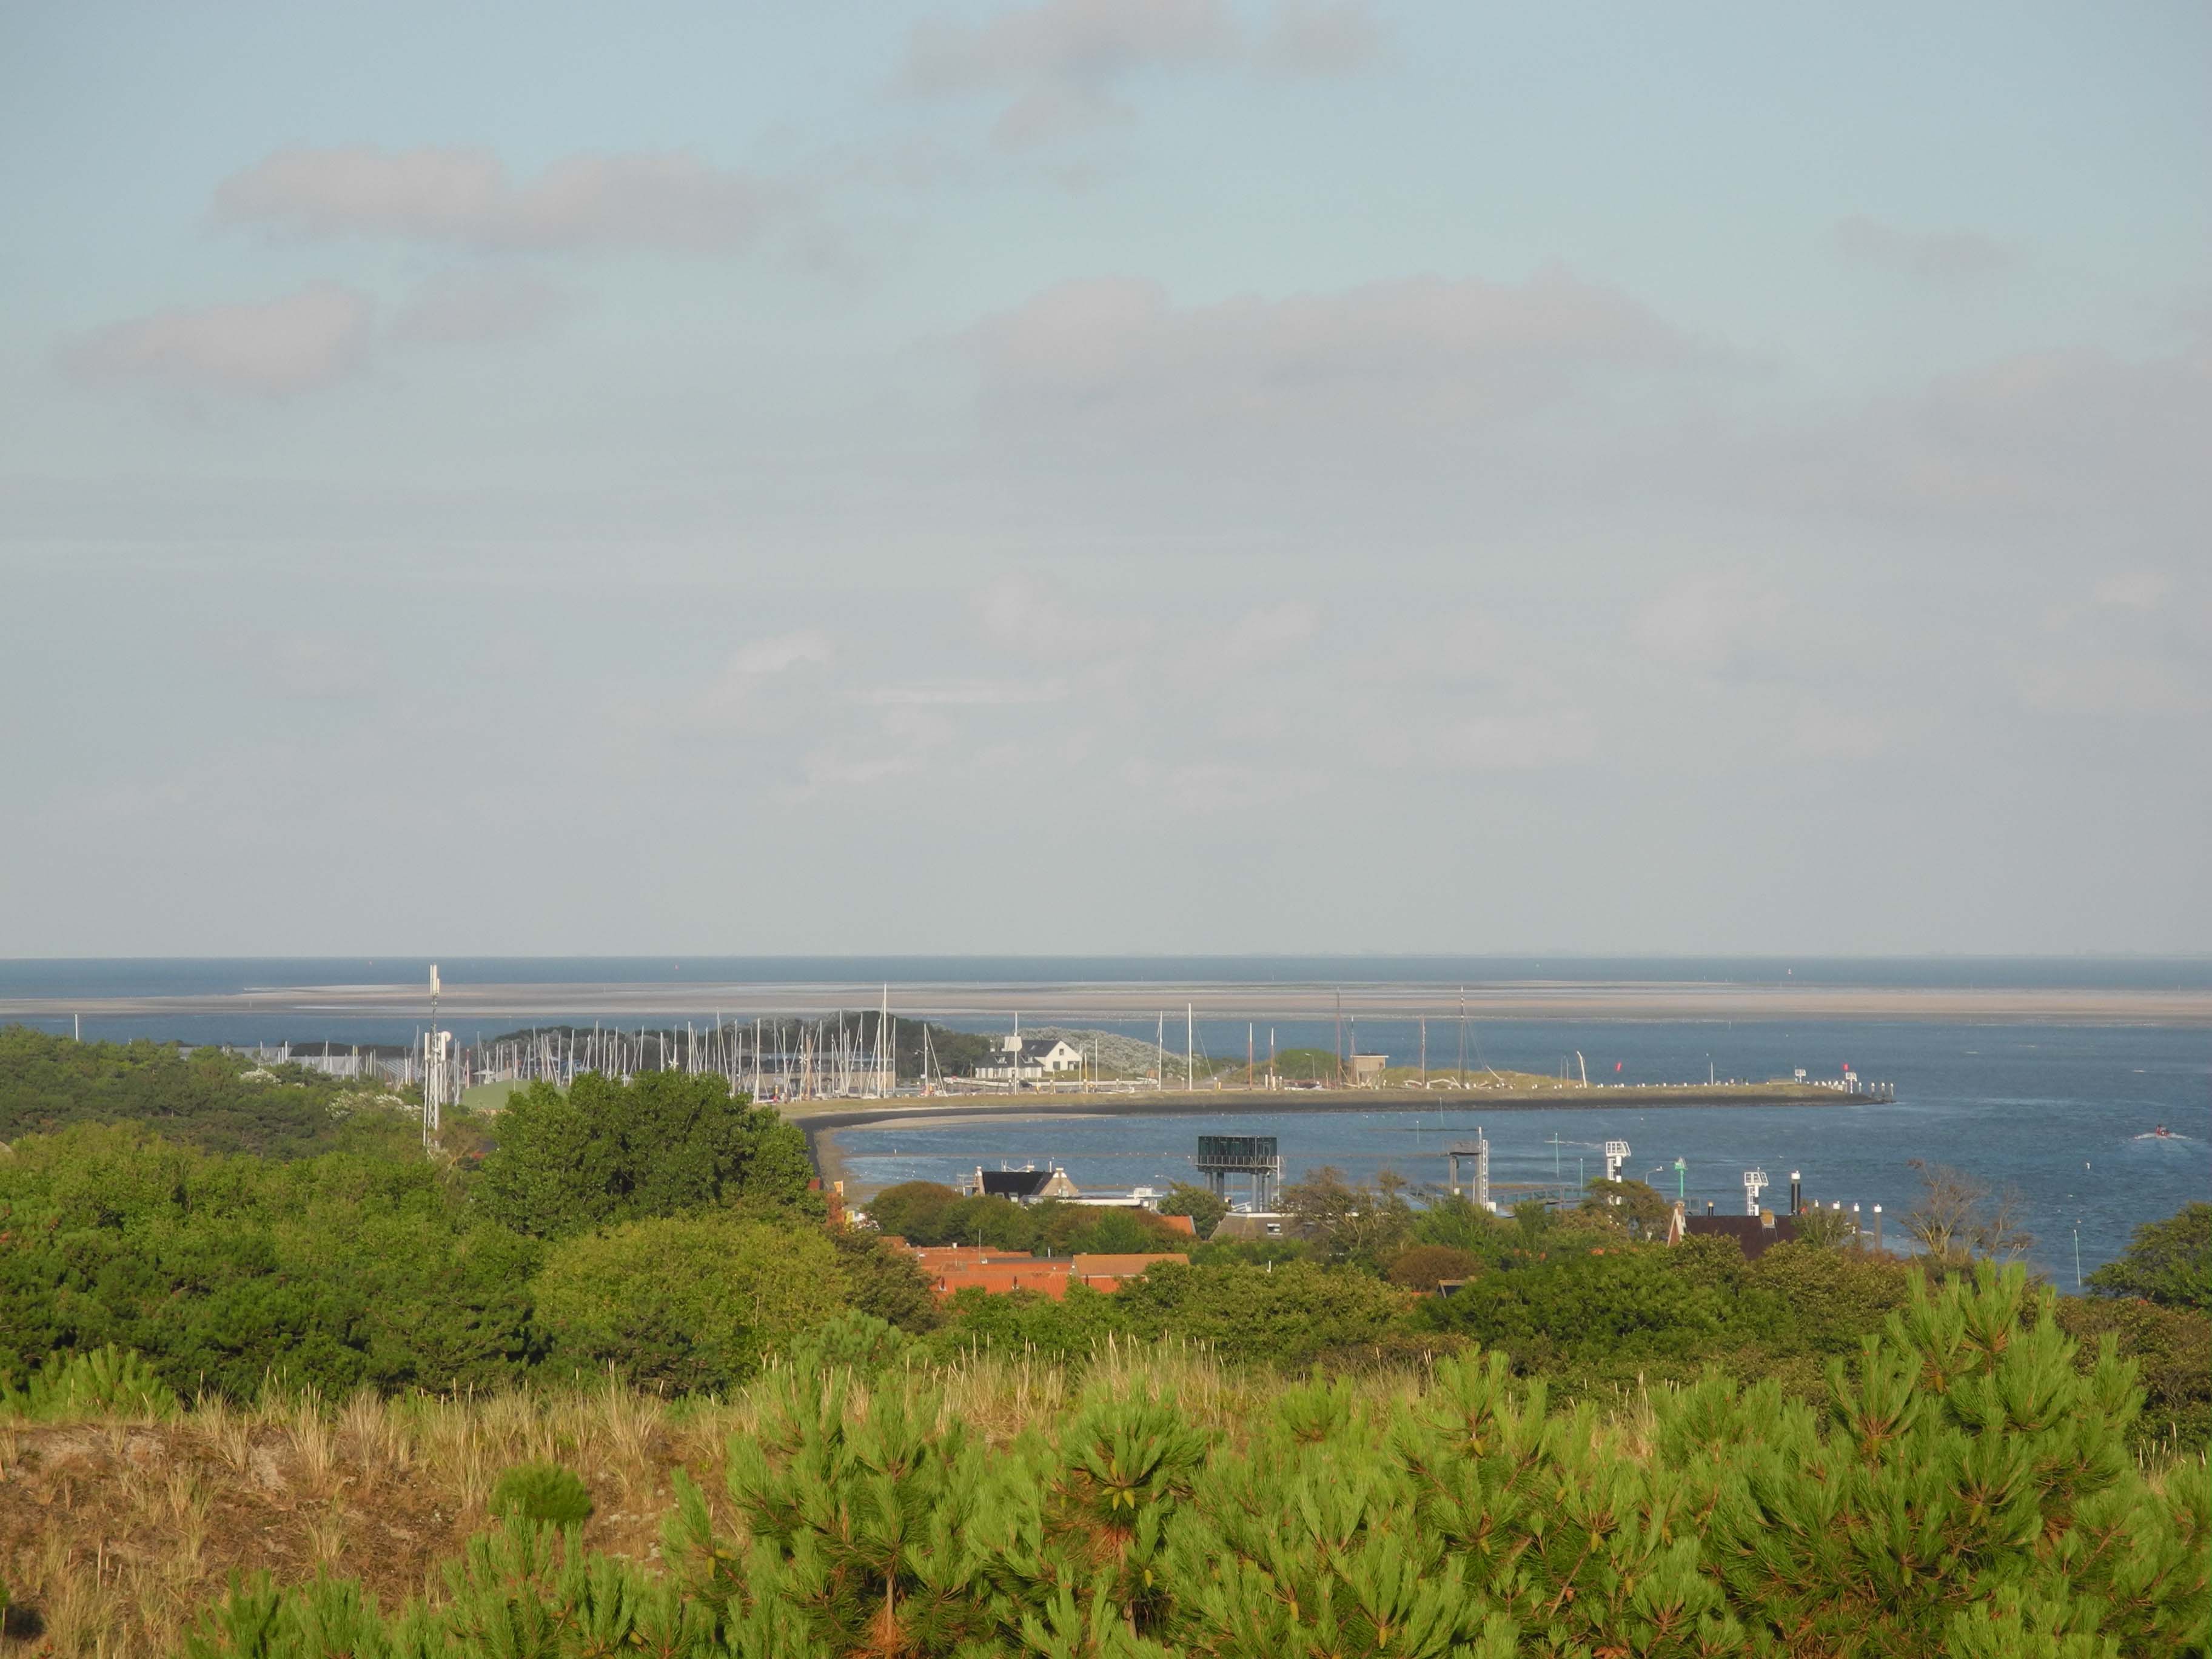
column 2056, row 1111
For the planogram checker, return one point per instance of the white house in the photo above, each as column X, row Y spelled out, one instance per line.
column 1024, row 1060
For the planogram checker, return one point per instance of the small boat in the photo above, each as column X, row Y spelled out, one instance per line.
column 2161, row 1132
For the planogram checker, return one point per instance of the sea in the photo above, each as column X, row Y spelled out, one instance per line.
column 2067, row 1114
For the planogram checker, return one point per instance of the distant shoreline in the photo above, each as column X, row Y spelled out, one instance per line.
column 1141, row 1003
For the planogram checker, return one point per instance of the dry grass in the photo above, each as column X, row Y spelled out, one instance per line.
column 113, row 1533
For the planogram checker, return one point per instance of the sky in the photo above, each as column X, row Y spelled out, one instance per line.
column 1149, row 476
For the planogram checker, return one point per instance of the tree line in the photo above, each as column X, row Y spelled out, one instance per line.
column 668, row 1229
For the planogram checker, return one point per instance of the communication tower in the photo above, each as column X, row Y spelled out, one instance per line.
column 435, row 1043
column 1754, row 1183
column 1476, row 1152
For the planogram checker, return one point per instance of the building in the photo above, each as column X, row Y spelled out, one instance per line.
column 1136, row 1198
column 1367, row 1070
column 1030, row 1060
column 1029, row 1185
column 1754, row 1234
column 956, row 1268
column 1106, row 1272
column 1247, row 1226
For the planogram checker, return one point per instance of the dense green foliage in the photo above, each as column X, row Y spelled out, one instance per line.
column 664, row 1228
column 1426, row 1267
column 544, row 1493
column 607, row 1150
column 1964, row 1489
column 1307, row 1065
column 337, row 1271
column 2171, row 1349
column 199, row 1098
column 687, row 1302
column 108, row 1381
column 1204, row 1206
column 2168, row 1262
column 1289, row 1315
column 1620, row 1313
column 384, row 1268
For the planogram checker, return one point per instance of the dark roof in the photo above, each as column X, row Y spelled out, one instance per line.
column 1014, row 1183
column 1041, row 1045
column 1755, row 1234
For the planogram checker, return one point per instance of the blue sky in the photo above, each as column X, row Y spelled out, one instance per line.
column 1273, row 475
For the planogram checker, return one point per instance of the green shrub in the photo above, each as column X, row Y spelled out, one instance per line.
column 657, row 1145
column 1426, row 1265
column 851, row 1341
column 1204, row 1206
column 543, row 1492
column 688, row 1304
column 914, row 1211
column 108, row 1381
column 2168, row 1262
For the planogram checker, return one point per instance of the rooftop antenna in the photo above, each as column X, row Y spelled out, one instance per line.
column 1616, row 1154
column 1754, row 1183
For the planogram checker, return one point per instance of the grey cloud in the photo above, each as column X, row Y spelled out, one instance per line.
column 322, row 668
column 743, row 693
column 2045, row 446
column 1305, row 37
column 672, row 201
column 1080, row 43
column 782, row 652
column 1489, row 743
column 1932, row 255
column 1060, row 62
column 2134, row 648
column 2132, row 590
column 466, row 307
column 1019, row 613
column 966, row 694
column 1265, row 635
column 269, row 348
column 1711, row 624
column 1117, row 359
column 308, row 340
